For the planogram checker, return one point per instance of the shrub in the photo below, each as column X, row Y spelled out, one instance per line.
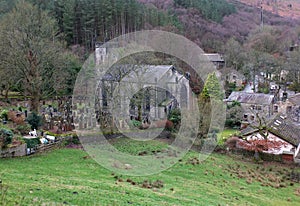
column 72, row 139
column 4, row 115
column 6, row 137
column 75, row 139
column 18, row 141
column 23, row 129
column 34, row 120
column 31, row 143
column 175, row 117
column 136, row 123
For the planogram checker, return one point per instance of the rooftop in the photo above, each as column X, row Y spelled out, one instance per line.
column 215, row 57
column 295, row 99
column 251, row 98
column 148, row 74
column 282, row 127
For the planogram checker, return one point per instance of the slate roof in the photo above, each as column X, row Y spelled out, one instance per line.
column 149, row 74
column 214, row 57
column 144, row 73
column 251, row 98
column 282, row 127
column 295, row 99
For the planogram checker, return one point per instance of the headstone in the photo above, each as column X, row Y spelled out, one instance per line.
column 94, row 122
column 284, row 96
column 80, row 125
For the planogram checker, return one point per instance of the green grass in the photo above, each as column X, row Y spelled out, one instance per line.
column 69, row 176
column 226, row 133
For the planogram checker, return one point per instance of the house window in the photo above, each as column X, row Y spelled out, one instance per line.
column 258, row 107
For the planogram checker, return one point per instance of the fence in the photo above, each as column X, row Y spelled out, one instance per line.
column 47, row 147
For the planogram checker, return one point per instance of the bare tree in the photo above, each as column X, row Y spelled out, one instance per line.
column 31, row 51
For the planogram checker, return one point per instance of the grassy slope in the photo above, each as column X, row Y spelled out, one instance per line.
column 64, row 176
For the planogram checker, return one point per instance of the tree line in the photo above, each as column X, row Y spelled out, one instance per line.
column 212, row 10
column 83, row 22
column 36, row 37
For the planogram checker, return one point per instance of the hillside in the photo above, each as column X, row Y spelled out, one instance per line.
column 211, row 35
column 71, row 177
column 283, row 8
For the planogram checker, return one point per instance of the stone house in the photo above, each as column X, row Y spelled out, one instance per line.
column 292, row 107
column 217, row 59
column 253, row 103
column 232, row 76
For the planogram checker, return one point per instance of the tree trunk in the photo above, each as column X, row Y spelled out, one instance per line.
column 6, row 93
column 34, row 103
column 140, row 112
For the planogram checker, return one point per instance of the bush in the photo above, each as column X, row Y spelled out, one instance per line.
column 75, row 139
column 31, row 143
column 234, row 115
column 4, row 115
column 6, row 137
column 175, row 117
column 136, row 123
column 23, row 129
column 71, row 139
column 18, row 140
column 34, row 120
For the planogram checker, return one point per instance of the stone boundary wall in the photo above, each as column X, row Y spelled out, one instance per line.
column 263, row 156
column 18, row 151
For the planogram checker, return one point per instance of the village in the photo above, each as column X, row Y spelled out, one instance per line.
column 143, row 102
column 266, row 123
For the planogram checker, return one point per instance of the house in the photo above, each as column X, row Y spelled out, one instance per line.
column 232, row 76
column 283, row 129
column 144, row 92
column 253, row 103
column 292, row 107
column 216, row 59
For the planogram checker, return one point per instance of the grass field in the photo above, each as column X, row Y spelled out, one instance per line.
column 226, row 133
column 70, row 177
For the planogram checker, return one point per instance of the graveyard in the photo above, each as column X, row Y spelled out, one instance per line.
column 21, row 128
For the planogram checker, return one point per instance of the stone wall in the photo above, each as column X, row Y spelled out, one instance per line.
column 262, row 155
column 18, row 151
